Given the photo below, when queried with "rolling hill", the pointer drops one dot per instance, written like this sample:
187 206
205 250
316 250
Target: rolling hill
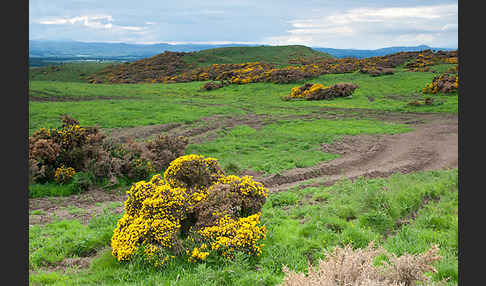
279 55
173 63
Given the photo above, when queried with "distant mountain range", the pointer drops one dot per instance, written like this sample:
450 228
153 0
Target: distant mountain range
343 53
53 51
110 50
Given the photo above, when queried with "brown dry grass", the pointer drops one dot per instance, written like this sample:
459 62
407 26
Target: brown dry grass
348 267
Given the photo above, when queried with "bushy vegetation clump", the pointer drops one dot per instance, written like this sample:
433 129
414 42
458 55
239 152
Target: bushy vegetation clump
64 154
427 58
348 266
311 91
427 101
193 211
152 70
214 85
377 71
262 72
144 70
445 83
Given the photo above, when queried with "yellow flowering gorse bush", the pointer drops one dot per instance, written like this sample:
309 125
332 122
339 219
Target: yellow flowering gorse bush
230 235
318 91
64 174
445 83
180 214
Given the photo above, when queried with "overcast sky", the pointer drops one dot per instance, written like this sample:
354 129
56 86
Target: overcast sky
362 24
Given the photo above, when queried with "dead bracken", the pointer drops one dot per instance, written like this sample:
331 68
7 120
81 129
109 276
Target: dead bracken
345 266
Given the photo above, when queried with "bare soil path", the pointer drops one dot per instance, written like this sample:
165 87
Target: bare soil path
431 146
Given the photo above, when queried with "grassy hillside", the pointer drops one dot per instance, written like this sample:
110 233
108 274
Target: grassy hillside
279 55
174 63
68 72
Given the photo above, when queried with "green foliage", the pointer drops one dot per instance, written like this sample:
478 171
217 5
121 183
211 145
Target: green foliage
51 190
82 181
299 228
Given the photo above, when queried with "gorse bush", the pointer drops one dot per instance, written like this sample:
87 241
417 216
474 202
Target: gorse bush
153 70
263 72
64 175
59 154
194 211
311 91
65 147
445 83
428 58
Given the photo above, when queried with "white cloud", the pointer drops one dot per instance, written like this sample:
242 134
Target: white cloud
344 30
395 25
450 27
416 39
424 12
92 21
208 43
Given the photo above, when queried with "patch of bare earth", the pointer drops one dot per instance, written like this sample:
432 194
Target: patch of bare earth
431 146
140 132
207 128
72 265
82 207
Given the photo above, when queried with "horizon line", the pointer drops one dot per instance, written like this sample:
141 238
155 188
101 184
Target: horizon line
227 43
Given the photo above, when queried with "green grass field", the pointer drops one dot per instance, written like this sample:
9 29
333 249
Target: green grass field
404 212
301 223
124 104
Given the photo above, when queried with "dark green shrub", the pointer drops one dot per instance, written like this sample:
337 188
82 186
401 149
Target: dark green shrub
82 181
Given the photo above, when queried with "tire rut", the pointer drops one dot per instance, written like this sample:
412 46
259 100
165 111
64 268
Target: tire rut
430 146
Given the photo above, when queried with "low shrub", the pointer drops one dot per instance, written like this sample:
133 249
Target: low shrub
194 211
82 181
214 85
429 58
64 174
454 69
445 83
58 154
311 91
377 71
346 266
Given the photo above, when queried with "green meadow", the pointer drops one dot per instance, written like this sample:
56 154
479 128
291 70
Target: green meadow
404 213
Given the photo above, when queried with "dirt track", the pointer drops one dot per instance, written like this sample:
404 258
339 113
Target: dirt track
432 145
